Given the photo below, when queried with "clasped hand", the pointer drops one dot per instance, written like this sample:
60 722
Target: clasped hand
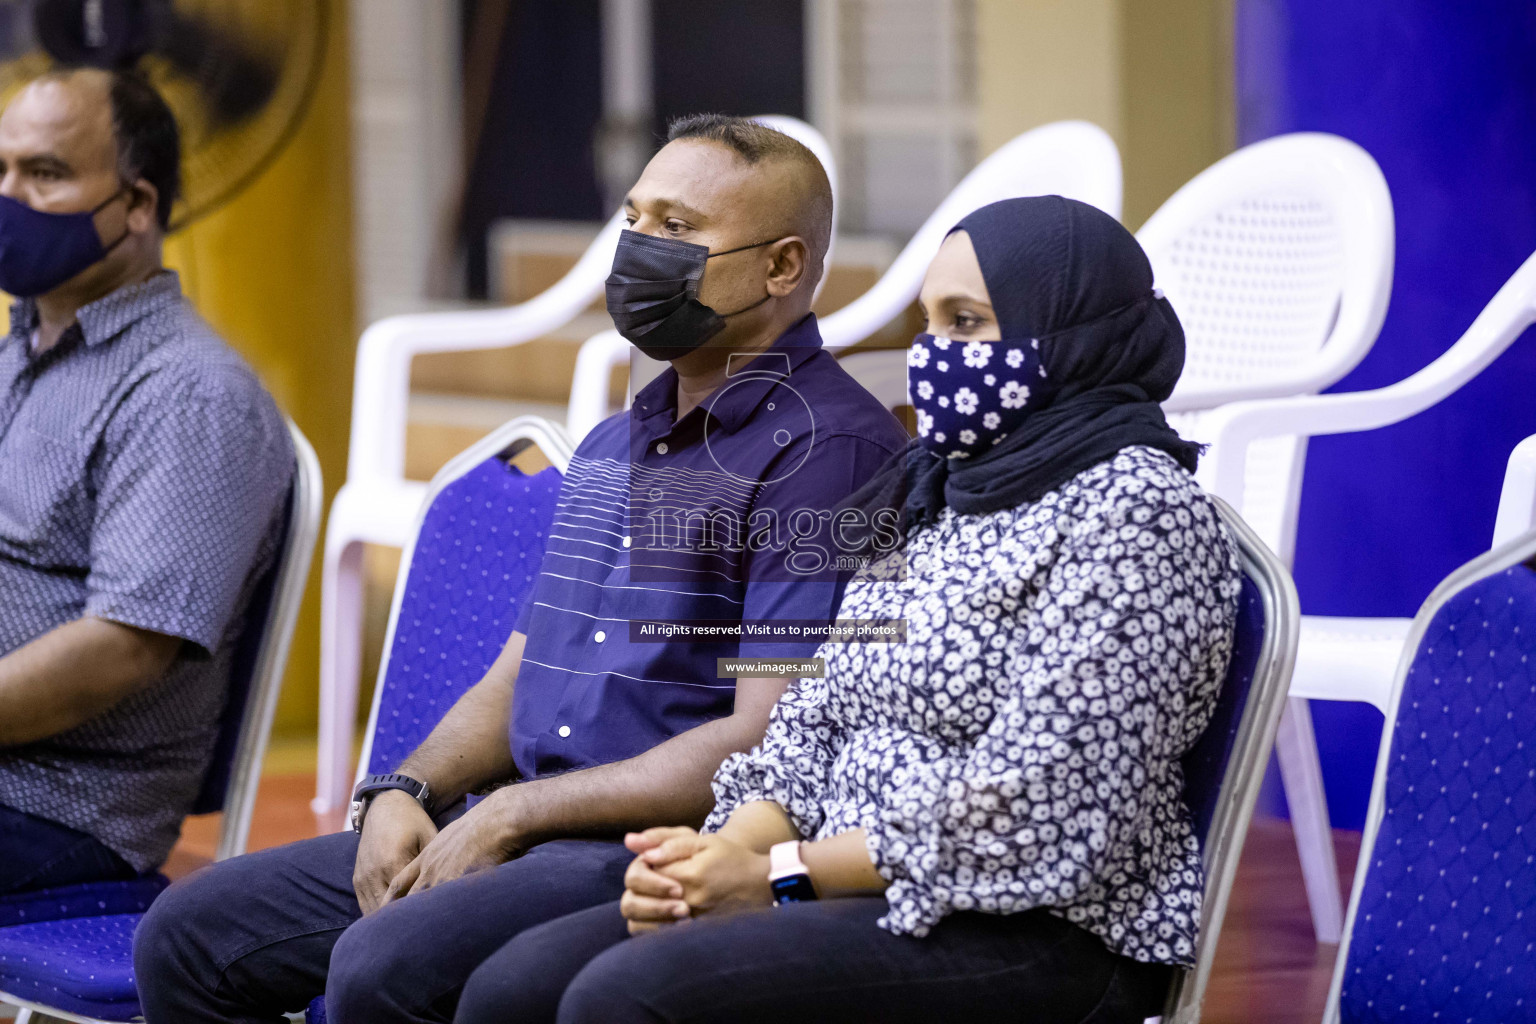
679 873
401 851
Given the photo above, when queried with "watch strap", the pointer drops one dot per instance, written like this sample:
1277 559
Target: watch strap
784 860
375 784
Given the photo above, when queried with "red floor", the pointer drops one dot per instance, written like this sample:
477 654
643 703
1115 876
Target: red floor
1268 968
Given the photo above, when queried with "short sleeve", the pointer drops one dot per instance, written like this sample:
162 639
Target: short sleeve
193 469
799 573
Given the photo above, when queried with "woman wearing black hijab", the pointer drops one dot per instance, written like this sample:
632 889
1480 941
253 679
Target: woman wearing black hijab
984 822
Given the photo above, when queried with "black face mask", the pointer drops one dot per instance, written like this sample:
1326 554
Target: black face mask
653 294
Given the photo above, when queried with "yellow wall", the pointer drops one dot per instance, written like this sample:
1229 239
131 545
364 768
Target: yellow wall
1046 60
1156 76
272 271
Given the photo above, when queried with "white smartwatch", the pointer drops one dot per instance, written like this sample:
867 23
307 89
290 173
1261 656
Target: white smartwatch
788 878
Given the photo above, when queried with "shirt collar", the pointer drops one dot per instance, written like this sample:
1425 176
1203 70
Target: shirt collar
746 387
109 315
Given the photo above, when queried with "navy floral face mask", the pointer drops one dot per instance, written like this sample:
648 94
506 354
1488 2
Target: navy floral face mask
969 395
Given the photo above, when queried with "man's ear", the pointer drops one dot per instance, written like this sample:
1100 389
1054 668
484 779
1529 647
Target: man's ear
143 207
789 264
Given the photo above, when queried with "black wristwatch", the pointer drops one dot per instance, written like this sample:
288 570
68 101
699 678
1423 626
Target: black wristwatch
377 784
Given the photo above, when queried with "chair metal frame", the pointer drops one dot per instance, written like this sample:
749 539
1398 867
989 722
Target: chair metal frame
512 436
1511 552
1222 848
377 504
292 572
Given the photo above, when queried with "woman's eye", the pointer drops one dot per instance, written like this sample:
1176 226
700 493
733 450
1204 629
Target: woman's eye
676 226
630 220
967 321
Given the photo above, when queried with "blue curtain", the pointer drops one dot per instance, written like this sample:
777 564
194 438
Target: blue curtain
1443 95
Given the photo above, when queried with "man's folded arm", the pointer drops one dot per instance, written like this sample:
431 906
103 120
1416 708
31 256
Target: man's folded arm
668 783
75 672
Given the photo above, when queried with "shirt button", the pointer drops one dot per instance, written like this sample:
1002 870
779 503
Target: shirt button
627 542
600 636
661 448
565 731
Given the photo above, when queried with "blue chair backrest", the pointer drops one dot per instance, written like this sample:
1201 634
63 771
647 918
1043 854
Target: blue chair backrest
1445 921
1206 763
473 563
247 654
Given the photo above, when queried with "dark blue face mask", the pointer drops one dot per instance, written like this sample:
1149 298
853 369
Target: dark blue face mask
40 251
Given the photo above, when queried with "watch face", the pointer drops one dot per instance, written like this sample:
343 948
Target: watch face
792 889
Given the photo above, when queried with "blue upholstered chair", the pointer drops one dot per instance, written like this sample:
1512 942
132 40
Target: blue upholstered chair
471 561
67 952
1442 920
1223 770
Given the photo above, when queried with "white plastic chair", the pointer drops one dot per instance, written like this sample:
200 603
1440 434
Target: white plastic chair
378 505
1069 158
1354 658
1278 260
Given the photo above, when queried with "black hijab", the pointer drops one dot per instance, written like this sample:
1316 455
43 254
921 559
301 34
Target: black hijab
1070 275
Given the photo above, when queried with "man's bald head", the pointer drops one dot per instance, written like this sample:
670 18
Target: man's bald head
800 185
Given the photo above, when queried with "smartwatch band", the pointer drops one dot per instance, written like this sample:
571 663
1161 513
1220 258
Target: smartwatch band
375 784
788 878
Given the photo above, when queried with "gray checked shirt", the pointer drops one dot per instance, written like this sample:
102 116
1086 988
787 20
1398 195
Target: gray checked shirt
143 473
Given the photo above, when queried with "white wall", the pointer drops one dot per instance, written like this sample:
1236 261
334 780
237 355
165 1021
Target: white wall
406 149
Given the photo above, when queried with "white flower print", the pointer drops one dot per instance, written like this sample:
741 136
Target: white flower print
924 423
941 343
967 437
1014 395
942 366
938 436
925 389
1014 358
943 401
977 354
917 357
991 420
951 750
965 401
989 380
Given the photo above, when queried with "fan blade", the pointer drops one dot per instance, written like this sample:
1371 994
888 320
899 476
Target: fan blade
235 80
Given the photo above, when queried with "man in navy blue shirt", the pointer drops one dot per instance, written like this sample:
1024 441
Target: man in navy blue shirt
710 501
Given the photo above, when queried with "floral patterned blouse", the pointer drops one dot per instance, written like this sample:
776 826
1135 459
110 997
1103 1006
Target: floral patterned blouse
1021 748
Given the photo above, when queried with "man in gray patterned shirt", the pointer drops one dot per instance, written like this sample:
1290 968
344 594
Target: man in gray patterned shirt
143 473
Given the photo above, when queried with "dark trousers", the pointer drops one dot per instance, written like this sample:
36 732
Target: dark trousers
806 962
257 936
36 853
